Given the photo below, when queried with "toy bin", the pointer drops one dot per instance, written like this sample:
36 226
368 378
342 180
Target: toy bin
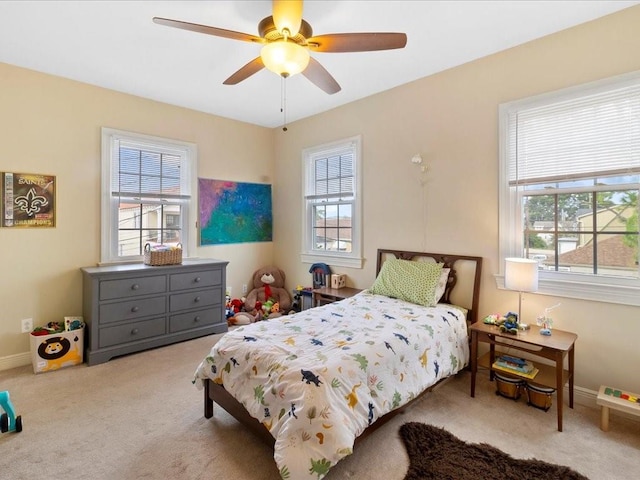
57 350
508 387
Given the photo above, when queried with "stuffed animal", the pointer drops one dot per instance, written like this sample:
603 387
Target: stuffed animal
268 285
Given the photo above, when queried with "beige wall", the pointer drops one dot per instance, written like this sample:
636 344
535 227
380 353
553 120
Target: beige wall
52 125
451 119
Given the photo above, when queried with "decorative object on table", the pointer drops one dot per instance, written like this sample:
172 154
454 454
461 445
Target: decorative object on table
430 456
493 319
320 273
338 280
268 290
510 324
545 322
162 254
521 275
9 422
28 200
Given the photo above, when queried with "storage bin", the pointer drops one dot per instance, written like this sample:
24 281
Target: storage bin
508 387
539 396
162 255
57 350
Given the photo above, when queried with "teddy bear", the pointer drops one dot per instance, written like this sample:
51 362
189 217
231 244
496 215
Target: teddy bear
268 289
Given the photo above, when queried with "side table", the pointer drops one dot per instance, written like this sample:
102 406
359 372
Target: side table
325 295
556 347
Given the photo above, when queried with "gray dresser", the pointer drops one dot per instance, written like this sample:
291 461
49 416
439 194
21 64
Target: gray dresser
128 308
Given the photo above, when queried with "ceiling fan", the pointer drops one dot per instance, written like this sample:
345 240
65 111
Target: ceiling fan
287 40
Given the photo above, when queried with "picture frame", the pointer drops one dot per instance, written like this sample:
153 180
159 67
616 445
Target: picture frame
28 200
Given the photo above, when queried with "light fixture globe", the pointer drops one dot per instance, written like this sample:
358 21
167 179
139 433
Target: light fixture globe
284 58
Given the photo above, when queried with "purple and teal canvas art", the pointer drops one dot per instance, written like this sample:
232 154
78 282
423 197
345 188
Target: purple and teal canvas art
234 212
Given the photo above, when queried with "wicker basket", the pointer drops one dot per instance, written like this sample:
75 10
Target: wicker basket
165 256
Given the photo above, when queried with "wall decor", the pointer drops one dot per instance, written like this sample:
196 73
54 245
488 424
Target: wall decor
28 200
234 212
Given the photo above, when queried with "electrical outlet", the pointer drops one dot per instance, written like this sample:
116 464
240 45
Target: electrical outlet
27 325
244 288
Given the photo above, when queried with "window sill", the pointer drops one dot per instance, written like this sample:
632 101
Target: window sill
616 291
333 260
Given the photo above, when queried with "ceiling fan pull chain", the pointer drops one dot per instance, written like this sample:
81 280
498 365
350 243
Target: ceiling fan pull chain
283 101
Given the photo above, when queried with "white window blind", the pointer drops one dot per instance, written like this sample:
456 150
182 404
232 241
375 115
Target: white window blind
332 204
596 135
148 173
333 177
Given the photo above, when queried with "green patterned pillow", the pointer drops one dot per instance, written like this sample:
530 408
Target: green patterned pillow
413 282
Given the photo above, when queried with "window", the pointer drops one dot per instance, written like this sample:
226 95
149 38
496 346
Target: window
147 185
569 179
332 204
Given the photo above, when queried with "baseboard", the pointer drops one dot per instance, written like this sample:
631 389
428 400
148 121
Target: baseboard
13 361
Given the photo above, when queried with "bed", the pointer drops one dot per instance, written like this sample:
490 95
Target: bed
312 384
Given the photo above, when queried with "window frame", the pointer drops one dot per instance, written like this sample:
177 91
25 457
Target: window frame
610 289
351 259
188 152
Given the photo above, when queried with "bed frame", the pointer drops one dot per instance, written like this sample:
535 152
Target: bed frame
465 274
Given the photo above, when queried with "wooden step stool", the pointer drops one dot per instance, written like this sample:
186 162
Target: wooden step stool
609 397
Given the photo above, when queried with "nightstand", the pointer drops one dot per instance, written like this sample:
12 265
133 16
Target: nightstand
324 295
556 347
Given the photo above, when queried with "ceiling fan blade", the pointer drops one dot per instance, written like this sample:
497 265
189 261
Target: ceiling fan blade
356 42
287 14
245 72
319 76
218 32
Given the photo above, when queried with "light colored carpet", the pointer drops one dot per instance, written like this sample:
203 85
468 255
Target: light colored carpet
140 417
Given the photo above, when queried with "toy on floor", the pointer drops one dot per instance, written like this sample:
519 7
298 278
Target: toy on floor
268 289
8 421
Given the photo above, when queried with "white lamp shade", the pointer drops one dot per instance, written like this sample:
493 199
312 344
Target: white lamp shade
521 274
284 58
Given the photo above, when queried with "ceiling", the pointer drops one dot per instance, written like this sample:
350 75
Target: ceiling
115 44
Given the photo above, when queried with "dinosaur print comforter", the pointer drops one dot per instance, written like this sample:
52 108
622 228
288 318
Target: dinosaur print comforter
318 378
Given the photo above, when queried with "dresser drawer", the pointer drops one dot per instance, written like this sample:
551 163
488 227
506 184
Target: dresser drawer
197 319
144 307
183 281
131 332
197 299
132 287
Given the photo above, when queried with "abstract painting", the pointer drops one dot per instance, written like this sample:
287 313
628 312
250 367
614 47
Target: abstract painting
234 212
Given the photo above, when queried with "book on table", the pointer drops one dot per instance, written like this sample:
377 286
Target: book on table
517 366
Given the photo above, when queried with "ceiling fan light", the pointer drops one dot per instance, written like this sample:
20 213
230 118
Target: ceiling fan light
284 58
287 15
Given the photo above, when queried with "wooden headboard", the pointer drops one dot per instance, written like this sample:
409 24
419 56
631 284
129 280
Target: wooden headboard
463 286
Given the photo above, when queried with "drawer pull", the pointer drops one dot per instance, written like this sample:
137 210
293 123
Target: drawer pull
135 309
134 331
196 319
135 286
197 280
196 300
